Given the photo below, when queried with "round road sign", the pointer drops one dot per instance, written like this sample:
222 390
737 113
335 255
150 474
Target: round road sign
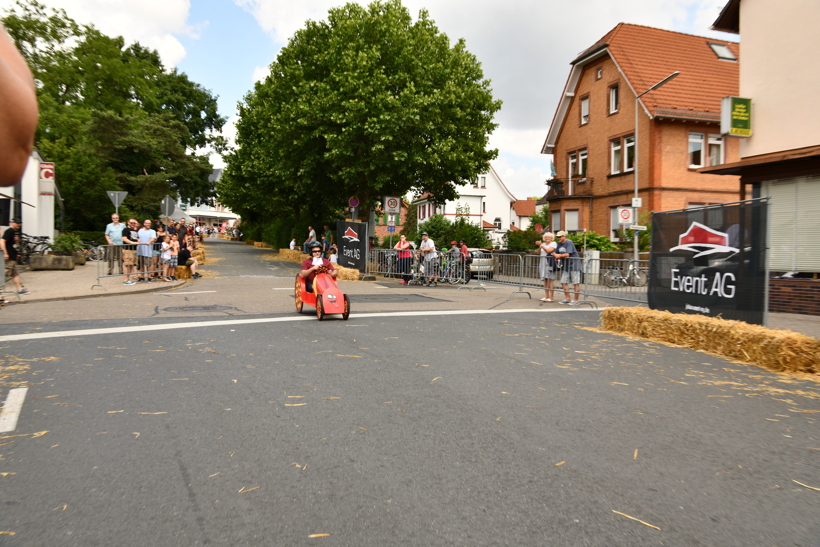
353 202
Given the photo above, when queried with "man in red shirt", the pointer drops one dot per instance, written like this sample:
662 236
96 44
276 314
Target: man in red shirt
310 266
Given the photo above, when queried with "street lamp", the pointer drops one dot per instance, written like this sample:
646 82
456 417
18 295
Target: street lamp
635 167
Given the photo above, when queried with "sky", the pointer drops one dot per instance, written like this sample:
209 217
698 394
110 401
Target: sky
524 46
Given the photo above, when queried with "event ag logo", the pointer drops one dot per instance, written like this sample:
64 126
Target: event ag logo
350 235
703 240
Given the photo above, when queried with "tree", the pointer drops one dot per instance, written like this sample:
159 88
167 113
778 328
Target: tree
368 103
541 217
521 240
112 117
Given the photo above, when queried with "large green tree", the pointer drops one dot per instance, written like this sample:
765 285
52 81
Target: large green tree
368 103
113 118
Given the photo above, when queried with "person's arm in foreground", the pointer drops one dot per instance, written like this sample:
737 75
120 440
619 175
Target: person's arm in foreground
18 112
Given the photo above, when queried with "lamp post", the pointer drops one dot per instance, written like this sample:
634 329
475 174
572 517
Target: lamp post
635 167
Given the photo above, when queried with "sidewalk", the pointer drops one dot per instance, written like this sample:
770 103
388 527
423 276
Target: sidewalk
48 285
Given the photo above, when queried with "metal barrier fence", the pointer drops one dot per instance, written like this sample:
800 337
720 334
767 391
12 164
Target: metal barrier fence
615 279
418 269
126 261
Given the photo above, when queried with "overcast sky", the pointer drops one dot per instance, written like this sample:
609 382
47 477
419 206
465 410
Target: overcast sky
525 47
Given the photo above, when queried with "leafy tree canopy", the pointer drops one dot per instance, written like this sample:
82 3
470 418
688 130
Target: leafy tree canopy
368 103
113 118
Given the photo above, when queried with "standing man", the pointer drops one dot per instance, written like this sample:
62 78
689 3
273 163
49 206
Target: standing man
129 250
570 267
113 235
329 235
146 237
428 251
311 238
183 230
10 237
325 246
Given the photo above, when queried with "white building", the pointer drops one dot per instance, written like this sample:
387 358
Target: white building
35 194
487 203
209 215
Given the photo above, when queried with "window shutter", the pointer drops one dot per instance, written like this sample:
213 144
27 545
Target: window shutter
807 240
794 224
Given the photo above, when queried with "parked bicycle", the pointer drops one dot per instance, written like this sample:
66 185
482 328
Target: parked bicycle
31 245
635 277
93 251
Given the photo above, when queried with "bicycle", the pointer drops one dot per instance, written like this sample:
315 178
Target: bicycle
453 271
93 251
29 245
635 277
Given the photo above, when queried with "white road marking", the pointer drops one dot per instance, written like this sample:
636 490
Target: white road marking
229 322
11 410
176 293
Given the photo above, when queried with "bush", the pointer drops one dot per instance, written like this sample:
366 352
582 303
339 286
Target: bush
443 231
67 244
521 240
593 242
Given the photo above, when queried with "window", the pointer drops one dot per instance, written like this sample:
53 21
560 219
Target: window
723 52
571 220
614 223
483 206
421 211
615 156
613 99
585 110
573 164
629 144
483 181
700 145
715 150
695 150
497 222
582 163
556 221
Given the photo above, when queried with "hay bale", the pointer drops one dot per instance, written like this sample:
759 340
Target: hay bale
182 272
294 255
199 256
249 242
347 274
262 245
775 349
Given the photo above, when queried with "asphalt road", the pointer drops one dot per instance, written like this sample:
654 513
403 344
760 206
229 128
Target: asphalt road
151 420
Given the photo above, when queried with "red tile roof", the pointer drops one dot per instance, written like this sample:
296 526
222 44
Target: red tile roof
486 224
514 228
524 207
647 55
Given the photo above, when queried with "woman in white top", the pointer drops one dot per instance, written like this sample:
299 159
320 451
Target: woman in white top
547 264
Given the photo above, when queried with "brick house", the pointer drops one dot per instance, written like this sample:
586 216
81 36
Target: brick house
592 136
381 219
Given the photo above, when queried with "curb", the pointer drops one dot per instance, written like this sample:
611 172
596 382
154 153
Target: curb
101 295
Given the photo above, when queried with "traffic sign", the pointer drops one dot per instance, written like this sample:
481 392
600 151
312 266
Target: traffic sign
392 206
637 227
391 222
116 198
637 202
391 229
626 215
353 202
168 206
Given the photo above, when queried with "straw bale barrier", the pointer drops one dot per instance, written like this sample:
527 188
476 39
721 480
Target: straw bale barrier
198 255
250 242
182 272
775 349
346 274
294 255
261 245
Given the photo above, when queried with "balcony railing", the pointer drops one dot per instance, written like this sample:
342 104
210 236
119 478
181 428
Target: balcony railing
568 187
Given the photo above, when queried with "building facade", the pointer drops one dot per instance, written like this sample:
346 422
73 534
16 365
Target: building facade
593 133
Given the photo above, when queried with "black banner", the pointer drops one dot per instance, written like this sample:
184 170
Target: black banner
710 261
352 242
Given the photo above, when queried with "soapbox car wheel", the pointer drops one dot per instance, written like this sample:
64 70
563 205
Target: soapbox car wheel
320 309
346 313
297 295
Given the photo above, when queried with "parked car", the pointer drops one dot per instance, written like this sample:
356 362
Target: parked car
482 265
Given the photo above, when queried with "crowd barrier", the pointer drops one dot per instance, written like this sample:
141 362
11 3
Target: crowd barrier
124 260
418 269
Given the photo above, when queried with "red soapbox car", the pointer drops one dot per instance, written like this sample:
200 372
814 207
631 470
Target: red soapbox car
326 297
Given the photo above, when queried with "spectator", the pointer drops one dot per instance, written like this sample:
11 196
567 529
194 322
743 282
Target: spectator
570 267
403 255
182 229
293 244
185 259
325 246
166 258
546 265
130 238
428 252
172 229
113 235
329 234
10 237
174 256
145 251
333 258
156 251
311 238
18 112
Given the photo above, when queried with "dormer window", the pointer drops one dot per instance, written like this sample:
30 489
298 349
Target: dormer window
722 51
